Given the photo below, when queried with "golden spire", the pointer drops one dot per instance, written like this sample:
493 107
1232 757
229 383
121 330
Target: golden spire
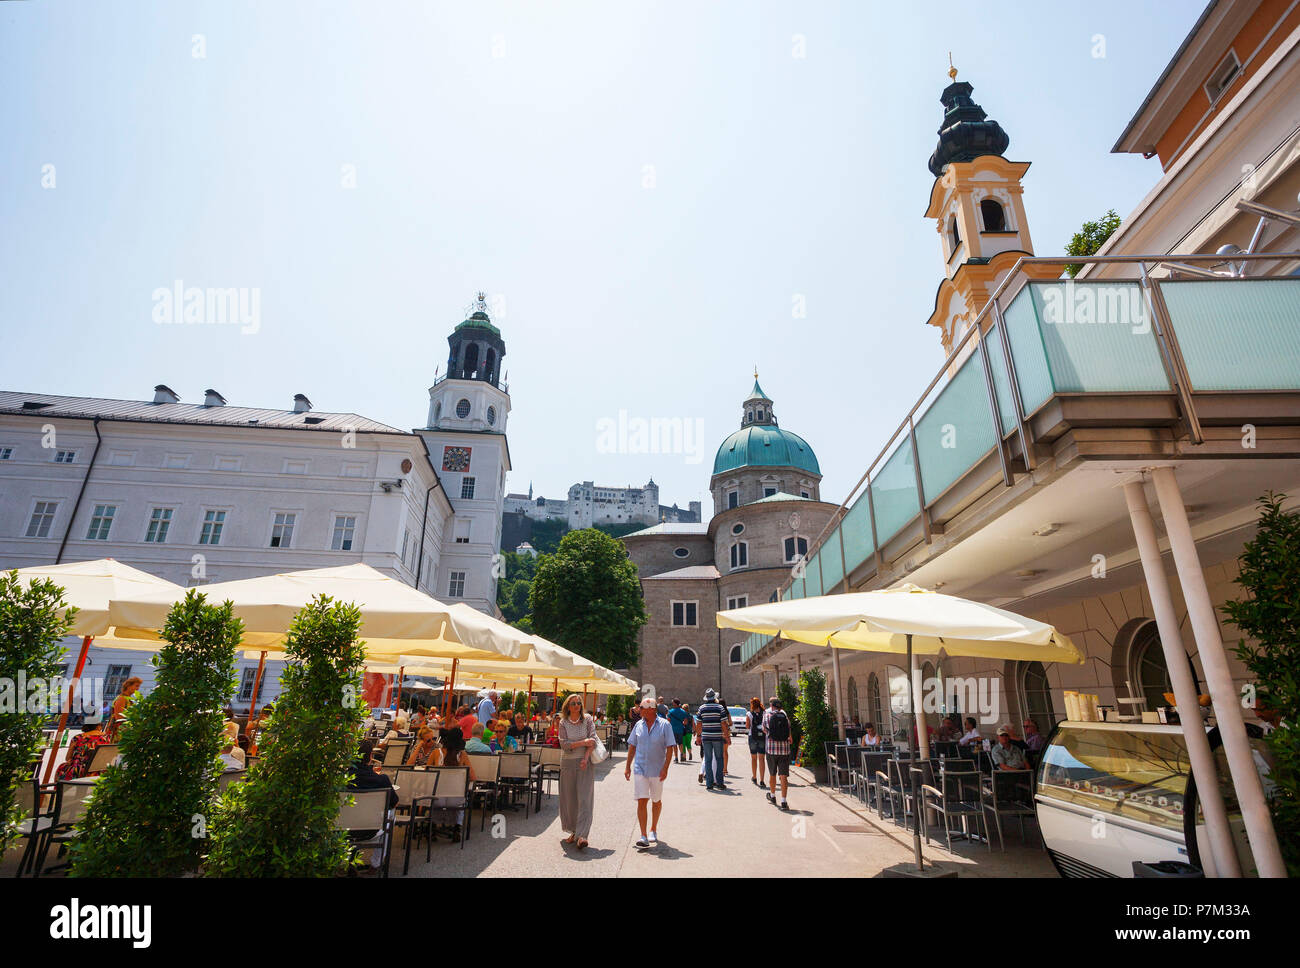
755 371
952 71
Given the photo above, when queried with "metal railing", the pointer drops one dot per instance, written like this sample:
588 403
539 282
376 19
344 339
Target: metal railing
1000 352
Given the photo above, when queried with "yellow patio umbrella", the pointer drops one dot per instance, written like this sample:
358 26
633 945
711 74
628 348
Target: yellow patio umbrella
895 620
906 620
90 586
395 618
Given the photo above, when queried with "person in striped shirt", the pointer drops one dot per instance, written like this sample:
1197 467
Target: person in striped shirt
713 730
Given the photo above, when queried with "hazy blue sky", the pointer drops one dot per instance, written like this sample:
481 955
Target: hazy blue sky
504 147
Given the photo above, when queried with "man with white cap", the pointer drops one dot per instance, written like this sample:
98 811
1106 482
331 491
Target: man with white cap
650 748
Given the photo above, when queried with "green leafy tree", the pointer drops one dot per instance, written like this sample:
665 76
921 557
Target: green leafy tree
1270 616
616 708
521 702
149 814
281 821
785 691
587 598
1091 237
30 629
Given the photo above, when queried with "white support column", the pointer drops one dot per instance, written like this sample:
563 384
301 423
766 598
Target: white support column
1227 705
918 712
1223 854
839 693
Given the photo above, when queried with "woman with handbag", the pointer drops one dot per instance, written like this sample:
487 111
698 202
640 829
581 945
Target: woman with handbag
578 743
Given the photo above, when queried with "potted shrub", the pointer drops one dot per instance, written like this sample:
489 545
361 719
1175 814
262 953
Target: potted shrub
814 718
785 691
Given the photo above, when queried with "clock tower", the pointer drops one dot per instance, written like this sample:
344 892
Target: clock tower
466 438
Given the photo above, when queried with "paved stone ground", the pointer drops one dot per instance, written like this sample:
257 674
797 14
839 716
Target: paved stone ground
735 833
705 834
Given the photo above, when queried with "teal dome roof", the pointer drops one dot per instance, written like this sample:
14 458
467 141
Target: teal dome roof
765 446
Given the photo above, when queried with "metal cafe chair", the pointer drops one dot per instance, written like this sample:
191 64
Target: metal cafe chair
395 752
484 789
71 799
1009 793
38 823
103 758
949 796
454 794
364 815
416 787
872 765
840 772
856 777
516 775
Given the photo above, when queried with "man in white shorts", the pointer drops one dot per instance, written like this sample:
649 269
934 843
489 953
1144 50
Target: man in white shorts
650 748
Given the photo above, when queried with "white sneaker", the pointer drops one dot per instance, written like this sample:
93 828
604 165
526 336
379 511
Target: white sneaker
654 840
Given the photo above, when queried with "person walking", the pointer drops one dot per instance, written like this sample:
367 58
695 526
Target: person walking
678 717
713 730
650 749
577 775
776 736
688 729
757 743
487 708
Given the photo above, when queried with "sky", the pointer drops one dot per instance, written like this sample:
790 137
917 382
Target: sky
656 197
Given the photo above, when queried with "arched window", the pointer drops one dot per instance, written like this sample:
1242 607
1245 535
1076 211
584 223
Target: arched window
873 702
685 657
852 698
734 657
995 220
437 412
740 555
953 234
927 684
1147 669
898 703
795 548
1036 696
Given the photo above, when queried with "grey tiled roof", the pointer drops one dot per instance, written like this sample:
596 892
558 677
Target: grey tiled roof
691 572
12 401
671 528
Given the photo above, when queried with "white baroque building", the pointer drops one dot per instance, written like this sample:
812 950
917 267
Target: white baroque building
208 492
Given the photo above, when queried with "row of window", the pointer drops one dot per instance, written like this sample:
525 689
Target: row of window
182 462
687 657
102 518
686 614
733 496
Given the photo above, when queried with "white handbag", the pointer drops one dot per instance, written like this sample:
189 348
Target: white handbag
598 752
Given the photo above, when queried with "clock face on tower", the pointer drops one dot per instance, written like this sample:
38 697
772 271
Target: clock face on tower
455 458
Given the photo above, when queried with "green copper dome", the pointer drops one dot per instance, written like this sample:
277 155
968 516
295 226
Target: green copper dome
765 446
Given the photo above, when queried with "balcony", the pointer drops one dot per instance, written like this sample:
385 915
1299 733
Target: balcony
1140 369
498 383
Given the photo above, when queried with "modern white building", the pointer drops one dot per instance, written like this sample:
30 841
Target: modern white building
207 492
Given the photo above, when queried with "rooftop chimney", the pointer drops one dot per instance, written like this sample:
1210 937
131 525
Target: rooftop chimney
300 403
162 393
212 398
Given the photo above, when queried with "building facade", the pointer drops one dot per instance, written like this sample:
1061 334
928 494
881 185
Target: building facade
1108 435
212 492
766 487
589 504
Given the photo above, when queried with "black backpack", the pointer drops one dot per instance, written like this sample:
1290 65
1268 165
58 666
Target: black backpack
779 726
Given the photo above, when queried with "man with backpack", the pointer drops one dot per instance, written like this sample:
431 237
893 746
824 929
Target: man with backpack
776 736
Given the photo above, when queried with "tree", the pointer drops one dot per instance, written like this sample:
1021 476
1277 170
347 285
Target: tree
280 822
1270 616
587 598
149 814
814 717
1091 237
30 630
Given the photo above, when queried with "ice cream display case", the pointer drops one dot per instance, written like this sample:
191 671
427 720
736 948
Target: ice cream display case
1109 794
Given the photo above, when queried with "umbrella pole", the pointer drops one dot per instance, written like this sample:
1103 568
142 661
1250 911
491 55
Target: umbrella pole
528 710
839 694
916 800
556 702
401 674
252 702
451 691
63 719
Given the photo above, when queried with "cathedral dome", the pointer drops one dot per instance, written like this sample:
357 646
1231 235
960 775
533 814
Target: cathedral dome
765 446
